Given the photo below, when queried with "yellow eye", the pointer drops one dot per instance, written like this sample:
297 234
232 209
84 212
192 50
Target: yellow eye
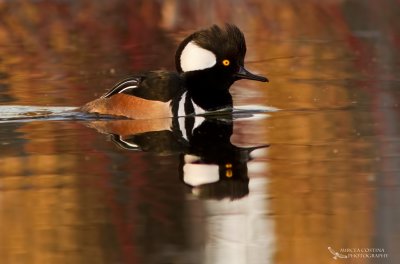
226 62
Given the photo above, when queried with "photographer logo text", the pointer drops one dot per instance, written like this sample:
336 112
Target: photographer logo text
370 253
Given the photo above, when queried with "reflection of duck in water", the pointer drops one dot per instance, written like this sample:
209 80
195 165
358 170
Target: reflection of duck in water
210 164
208 63
213 167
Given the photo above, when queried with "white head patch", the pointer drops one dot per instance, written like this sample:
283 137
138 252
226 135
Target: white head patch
195 58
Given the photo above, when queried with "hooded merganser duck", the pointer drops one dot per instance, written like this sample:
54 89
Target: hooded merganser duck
208 62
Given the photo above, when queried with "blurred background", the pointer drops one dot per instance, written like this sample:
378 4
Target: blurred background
330 177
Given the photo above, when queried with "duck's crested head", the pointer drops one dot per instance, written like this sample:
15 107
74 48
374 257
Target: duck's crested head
203 49
220 49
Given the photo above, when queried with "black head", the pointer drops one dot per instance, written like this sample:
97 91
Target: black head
217 52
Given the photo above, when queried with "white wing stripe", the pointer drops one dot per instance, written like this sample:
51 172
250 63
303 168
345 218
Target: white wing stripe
127 88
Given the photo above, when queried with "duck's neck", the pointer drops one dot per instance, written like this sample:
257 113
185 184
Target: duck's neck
208 91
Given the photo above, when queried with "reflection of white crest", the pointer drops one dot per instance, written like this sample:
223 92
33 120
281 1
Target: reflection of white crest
198 174
335 254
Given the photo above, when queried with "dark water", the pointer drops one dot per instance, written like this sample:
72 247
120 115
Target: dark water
271 187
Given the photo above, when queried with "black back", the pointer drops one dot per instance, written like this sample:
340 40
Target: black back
155 85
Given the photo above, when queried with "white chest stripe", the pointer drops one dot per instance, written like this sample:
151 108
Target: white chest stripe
181 107
197 109
195 58
181 114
